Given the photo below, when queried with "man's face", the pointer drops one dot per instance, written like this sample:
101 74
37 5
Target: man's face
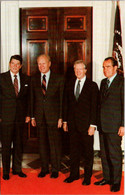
108 69
79 70
15 66
43 64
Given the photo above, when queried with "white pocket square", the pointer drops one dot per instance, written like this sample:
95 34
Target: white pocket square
26 85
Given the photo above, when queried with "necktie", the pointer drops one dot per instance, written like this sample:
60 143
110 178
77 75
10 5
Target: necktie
106 87
16 84
108 82
78 90
44 85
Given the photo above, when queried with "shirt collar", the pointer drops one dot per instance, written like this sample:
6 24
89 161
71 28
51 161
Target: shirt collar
12 74
83 79
47 74
112 78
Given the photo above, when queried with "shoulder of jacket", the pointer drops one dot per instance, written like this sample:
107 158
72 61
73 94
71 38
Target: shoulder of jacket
121 77
103 80
4 73
36 75
24 76
89 81
57 75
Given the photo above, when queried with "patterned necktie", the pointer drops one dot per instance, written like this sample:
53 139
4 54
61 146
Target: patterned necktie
16 84
77 90
44 85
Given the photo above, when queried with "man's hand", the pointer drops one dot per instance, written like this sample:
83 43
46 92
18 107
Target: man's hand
121 131
65 126
91 130
27 119
59 123
33 122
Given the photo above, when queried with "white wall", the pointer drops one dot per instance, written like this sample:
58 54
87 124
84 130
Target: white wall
103 26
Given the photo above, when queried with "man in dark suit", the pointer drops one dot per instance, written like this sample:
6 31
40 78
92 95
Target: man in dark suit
46 101
14 90
111 124
80 111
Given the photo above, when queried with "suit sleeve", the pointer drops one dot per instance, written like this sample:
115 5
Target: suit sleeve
65 103
94 104
32 97
0 97
29 97
61 91
122 104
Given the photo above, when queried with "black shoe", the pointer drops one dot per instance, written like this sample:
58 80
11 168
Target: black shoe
54 175
20 174
6 177
70 179
102 182
86 182
43 174
115 188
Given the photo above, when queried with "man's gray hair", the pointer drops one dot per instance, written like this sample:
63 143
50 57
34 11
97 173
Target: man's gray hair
80 62
44 55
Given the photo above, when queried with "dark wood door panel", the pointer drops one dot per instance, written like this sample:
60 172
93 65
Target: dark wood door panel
35 48
63 33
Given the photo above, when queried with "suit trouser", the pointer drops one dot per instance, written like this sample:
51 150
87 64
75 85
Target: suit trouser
49 146
111 156
12 133
80 141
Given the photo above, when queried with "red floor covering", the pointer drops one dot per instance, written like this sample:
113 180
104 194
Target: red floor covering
34 185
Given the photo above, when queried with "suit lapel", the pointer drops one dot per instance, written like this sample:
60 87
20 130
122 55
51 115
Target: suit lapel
72 88
50 83
9 81
109 89
22 83
38 82
84 88
113 83
103 88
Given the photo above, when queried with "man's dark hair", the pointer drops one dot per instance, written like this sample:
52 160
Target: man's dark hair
114 62
16 57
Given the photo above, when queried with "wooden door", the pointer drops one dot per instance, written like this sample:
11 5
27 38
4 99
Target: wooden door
63 33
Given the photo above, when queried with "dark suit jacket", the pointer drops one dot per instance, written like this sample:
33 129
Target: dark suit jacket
12 107
111 109
83 112
51 105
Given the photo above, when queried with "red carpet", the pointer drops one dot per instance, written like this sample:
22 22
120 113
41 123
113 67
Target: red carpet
34 185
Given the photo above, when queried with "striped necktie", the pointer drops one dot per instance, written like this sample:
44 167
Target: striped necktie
16 84
44 85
